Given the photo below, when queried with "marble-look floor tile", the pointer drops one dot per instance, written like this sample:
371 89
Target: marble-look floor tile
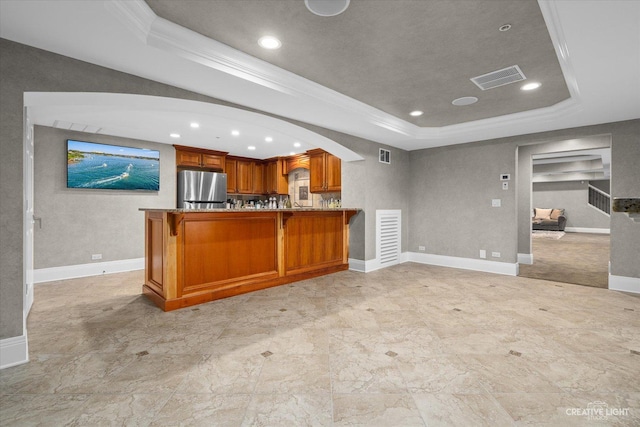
41 409
77 374
410 345
292 374
120 409
412 341
242 341
202 410
439 374
375 410
152 373
461 410
509 374
225 374
357 340
366 373
591 372
289 410
299 340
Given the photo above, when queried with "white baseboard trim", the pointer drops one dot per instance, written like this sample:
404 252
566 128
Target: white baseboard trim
525 259
13 351
83 270
587 230
624 283
374 264
505 268
357 265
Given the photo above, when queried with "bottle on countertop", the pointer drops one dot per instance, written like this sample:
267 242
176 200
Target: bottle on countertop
288 203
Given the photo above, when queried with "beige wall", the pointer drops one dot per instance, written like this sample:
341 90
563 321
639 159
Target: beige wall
76 222
451 192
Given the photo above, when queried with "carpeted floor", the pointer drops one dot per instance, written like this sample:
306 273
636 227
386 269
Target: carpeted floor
578 258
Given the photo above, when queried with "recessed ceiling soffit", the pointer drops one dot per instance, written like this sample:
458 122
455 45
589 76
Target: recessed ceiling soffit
395 56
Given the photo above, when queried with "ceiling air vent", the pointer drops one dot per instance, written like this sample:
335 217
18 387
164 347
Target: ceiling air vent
499 78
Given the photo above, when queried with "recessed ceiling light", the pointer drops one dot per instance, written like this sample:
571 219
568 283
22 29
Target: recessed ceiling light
505 27
195 125
235 132
269 42
251 147
465 100
268 139
416 113
174 135
531 86
296 144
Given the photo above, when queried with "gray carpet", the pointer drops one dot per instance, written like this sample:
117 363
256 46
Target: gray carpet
578 258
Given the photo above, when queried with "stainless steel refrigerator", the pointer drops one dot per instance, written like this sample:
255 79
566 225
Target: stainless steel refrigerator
202 190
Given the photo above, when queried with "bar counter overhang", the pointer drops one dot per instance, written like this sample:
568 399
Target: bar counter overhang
196 256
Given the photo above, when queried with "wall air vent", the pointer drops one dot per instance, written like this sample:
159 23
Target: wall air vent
385 156
388 240
499 78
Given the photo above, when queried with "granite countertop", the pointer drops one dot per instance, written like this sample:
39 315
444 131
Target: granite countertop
627 205
175 210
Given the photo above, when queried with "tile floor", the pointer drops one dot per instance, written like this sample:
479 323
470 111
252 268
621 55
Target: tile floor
410 345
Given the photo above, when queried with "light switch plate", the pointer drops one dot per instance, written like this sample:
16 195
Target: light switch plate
496 203
505 185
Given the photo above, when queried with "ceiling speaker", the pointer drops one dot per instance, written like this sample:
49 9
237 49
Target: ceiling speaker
327 7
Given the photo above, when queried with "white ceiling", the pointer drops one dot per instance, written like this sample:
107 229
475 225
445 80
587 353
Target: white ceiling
597 42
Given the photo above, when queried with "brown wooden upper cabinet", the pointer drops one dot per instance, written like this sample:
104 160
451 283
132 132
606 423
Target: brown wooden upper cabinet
276 181
244 176
258 178
297 161
325 172
187 157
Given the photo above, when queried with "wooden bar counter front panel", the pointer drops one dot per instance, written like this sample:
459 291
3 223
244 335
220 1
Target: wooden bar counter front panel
313 240
192 257
217 250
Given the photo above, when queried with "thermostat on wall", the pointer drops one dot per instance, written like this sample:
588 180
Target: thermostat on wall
505 177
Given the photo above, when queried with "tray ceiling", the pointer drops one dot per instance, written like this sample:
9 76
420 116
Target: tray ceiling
397 56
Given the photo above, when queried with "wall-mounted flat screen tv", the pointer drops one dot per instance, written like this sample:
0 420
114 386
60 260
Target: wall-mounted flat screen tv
111 167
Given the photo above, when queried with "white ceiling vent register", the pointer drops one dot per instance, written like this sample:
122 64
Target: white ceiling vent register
388 233
384 156
499 78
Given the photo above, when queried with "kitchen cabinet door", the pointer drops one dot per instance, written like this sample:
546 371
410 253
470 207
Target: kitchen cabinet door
212 161
276 182
187 158
244 177
230 170
316 173
258 178
333 172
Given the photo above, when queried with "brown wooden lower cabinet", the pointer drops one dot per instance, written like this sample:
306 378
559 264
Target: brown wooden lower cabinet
196 257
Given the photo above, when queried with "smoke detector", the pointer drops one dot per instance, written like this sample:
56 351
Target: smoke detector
327 7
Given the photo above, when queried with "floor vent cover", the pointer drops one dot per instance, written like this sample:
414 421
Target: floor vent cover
388 233
499 78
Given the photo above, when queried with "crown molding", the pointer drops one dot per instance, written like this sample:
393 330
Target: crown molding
177 40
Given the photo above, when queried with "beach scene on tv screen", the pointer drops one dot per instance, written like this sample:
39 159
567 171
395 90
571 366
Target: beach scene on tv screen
102 166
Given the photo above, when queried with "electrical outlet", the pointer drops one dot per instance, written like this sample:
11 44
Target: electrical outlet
496 203
421 248
495 254
96 256
483 254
